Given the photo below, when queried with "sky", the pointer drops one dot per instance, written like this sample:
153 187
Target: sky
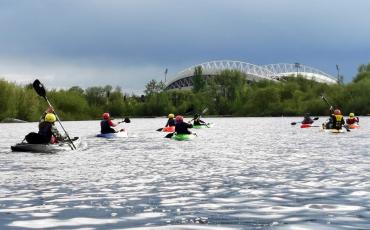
127 43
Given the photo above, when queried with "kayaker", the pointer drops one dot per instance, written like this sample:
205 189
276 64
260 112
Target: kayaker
352 119
197 120
48 133
338 120
181 126
106 124
307 119
171 120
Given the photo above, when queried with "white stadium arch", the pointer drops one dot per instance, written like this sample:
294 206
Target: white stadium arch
184 78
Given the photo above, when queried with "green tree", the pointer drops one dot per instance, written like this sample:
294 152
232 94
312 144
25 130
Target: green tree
198 80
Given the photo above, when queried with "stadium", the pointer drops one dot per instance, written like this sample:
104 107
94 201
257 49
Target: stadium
274 72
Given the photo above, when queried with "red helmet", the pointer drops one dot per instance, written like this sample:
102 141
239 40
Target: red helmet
337 112
106 116
179 118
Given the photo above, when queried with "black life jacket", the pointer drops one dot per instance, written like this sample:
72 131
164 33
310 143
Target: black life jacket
105 127
171 122
45 130
182 128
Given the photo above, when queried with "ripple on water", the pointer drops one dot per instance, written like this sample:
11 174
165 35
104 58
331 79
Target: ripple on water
262 174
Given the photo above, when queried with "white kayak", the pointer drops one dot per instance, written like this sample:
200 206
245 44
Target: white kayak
113 135
46 148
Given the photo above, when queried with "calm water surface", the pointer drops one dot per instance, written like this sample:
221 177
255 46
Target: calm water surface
244 173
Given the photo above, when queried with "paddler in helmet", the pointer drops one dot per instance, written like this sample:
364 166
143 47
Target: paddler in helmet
181 126
171 120
307 119
106 124
48 133
352 119
197 120
337 119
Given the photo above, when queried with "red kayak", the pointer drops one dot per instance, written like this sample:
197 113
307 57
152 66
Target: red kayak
305 126
169 129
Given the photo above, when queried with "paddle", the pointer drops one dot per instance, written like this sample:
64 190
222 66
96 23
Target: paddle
40 90
326 101
126 120
294 123
170 135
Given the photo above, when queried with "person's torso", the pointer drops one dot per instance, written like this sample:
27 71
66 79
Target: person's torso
105 126
338 121
45 129
171 122
351 121
182 127
307 120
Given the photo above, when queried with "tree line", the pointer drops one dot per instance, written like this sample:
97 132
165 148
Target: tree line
228 94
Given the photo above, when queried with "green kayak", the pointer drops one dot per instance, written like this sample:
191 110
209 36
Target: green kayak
208 125
183 137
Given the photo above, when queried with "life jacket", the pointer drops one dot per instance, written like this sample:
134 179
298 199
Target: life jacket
171 122
105 127
307 120
351 121
338 122
45 130
182 128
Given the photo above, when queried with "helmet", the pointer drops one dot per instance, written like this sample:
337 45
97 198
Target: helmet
179 118
106 116
337 112
307 115
351 115
50 117
171 115
196 115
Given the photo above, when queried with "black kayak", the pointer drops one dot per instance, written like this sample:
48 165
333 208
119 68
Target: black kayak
45 148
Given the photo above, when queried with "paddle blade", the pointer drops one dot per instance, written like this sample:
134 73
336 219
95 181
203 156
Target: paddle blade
127 120
39 88
316 118
169 135
159 130
204 110
293 123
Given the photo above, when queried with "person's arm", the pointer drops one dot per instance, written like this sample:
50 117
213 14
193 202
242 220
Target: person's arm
189 125
56 133
111 123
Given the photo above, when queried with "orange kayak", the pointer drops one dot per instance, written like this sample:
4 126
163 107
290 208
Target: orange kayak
353 126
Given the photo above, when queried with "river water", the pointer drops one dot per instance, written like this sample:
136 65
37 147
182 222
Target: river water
243 173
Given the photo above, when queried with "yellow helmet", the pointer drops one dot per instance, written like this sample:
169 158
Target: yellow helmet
171 115
50 117
351 115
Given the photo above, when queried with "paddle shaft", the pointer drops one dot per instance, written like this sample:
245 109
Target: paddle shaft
294 123
60 123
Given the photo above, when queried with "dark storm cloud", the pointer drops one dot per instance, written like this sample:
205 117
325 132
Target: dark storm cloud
130 42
